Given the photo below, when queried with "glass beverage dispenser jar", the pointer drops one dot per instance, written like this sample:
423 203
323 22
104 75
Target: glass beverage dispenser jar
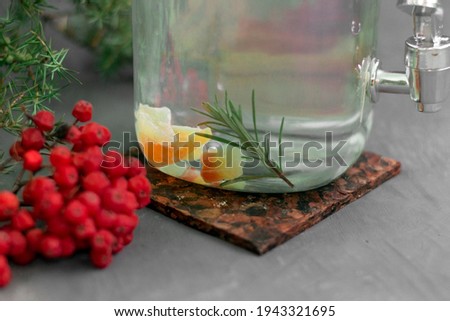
271 96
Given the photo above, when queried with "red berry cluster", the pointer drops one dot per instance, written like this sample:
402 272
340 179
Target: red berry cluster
87 203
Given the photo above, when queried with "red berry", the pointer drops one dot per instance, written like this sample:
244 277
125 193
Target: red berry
51 247
101 258
34 214
49 205
34 238
91 201
68 193
120 183
96 182
58 226
60 156
68 246
127 239
119 200
37 188
75 212
32 138
93 157
114 164
6 227
135 167
5 242
66 176
73 135
141 187
135 218
85 230
78 160
105 219
82 111
5 271
82 244
44 120
22 221
32 161
9 205
103 240
118 245
18 243
25 258
16 151
78 147
95 134
131 202
124 225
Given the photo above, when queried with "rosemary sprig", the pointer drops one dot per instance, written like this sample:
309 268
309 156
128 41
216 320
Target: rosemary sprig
228 120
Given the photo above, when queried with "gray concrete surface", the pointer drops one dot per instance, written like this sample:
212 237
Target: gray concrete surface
393 244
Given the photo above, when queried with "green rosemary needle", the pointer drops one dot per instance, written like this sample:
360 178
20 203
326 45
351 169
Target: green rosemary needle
227 120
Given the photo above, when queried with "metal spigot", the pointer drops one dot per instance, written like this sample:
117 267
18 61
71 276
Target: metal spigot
427 60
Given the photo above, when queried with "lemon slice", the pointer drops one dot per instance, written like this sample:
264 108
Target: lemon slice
217 167
164 144
194 143
155 123
193 175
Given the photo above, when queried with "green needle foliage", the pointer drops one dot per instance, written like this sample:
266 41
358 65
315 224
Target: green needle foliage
104 26
31 72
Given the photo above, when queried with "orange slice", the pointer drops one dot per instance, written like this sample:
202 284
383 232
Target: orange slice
164 144
218 166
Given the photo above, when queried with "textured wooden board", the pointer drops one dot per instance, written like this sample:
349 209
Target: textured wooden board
260 222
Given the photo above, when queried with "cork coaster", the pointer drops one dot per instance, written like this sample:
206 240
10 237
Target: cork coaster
260 222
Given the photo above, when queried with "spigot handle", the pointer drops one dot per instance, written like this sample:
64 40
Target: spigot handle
427 60
428 18
409 6
427 54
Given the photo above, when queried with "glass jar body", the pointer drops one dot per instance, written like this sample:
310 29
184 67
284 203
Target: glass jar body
293 70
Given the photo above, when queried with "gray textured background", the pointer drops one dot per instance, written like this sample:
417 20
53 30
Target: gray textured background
392 244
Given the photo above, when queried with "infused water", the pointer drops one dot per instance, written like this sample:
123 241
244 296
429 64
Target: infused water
253 95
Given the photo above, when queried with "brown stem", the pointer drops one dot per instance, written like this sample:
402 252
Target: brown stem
17 184
279 173
5 163
51 16
25 112
16 99
31 73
